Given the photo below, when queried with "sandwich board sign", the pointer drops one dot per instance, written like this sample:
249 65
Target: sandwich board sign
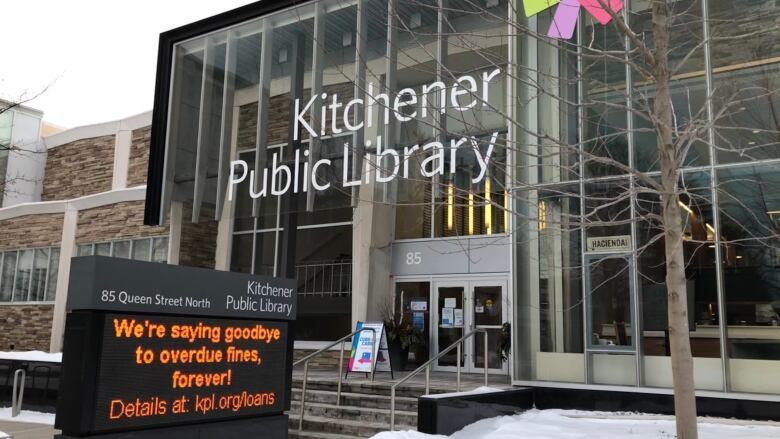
367 356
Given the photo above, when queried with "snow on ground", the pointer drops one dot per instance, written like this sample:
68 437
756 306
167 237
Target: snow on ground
476 391
26 416
575 424
32 356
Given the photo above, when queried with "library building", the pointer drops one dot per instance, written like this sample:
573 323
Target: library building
456 165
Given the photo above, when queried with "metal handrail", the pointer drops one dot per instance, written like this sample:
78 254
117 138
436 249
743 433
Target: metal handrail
305 361
427 367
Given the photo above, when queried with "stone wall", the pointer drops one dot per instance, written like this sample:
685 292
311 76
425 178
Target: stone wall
79 168
326 360
30 231
115 221
198 241
25 327
139 157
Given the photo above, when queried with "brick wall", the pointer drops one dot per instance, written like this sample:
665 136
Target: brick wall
31 231
139 157
25 327
79 168
198 241
115 221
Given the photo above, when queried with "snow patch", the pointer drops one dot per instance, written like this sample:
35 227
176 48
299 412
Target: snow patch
476 391
32 356
577 424
26 416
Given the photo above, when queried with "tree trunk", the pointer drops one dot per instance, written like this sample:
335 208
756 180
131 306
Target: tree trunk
679 337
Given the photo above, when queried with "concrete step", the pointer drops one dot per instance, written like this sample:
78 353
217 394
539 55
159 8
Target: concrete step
403 403
342 427
355 413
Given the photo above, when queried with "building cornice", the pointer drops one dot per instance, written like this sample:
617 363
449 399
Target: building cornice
137 193
99 129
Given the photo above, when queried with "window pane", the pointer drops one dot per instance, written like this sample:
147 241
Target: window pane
103 249
160 253
121 249
241 258
750 219
54 269
265 254
23 272
41 263
324 272
7 284
85 250
141 250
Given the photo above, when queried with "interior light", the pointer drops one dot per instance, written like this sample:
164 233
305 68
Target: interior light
685 206
488 208
346 39
282 56
739 257
542 215
774 212
471 213
756 131
491 3
506 211
450 206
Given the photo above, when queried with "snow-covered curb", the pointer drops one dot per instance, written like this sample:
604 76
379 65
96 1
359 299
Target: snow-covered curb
32 356
576 424
27 416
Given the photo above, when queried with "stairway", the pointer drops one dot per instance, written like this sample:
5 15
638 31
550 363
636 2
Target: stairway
364 410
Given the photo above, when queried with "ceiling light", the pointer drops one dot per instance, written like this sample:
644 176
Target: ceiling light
685 206
346 39
282 56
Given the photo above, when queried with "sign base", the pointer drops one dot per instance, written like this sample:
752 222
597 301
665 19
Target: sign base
266 427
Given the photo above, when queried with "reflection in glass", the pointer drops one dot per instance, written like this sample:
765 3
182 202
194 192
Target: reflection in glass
54 268
448 332
610 302
7 281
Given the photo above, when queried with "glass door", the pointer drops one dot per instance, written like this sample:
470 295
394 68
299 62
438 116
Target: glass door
611 336
462 306
488 311
451 296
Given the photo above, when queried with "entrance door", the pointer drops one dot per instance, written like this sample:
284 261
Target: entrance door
612 333
461 307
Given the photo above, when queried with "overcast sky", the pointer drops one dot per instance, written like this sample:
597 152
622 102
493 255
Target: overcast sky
98 56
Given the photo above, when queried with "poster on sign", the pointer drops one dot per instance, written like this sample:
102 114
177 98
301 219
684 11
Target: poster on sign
367 356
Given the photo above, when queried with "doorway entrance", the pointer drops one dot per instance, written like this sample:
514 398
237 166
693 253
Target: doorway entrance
461 306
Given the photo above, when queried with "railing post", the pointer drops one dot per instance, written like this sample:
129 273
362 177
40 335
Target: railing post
457 361
486 358
392 408
303 394
16 398
341 368
428 380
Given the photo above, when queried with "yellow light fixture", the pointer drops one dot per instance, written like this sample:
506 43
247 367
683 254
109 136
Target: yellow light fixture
488 209
471 213
542 215
506 211
450 206
685 206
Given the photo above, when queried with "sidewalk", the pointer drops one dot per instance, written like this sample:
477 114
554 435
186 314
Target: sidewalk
27 430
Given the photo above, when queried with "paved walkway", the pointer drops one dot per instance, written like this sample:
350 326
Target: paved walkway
26 430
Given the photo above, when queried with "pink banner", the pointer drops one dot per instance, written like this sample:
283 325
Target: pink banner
598 12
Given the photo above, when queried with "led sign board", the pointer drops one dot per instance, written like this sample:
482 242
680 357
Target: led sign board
137 358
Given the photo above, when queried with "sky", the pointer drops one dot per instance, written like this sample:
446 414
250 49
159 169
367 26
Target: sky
97 57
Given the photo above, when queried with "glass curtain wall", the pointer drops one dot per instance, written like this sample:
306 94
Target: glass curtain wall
593 179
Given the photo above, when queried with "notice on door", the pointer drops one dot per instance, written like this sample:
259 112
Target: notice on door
610 244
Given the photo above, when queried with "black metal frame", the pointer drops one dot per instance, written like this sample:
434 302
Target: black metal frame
156 170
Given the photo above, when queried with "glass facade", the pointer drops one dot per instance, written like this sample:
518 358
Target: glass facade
552 148
607 194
